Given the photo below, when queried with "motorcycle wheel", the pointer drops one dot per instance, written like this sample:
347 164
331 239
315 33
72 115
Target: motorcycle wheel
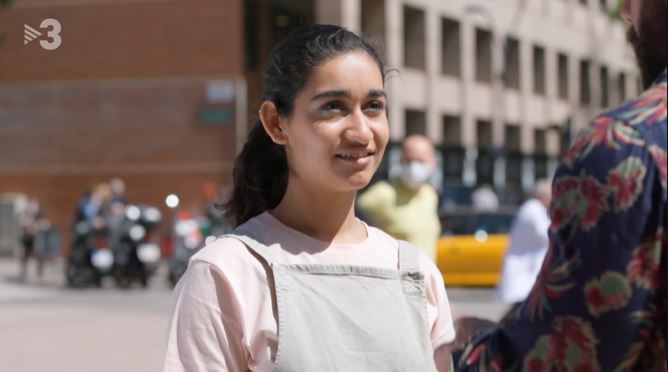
79 277
123 282
122 279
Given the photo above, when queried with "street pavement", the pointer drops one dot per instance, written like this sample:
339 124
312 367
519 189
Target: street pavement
46 327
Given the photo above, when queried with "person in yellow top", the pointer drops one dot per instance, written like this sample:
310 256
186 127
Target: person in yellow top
407 207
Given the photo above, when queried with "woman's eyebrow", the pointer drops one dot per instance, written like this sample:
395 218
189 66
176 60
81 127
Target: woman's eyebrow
377 93
332 94
374 93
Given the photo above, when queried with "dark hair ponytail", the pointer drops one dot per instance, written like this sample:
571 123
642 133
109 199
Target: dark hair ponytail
260 174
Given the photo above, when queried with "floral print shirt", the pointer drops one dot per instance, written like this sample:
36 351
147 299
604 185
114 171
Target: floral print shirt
599 303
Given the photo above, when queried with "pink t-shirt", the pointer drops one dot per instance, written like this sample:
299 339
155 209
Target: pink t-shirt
223 319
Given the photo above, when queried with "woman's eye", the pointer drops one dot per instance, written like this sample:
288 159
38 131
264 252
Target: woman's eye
332 106
375 106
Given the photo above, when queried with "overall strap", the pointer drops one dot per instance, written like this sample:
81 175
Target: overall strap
253 245
409 257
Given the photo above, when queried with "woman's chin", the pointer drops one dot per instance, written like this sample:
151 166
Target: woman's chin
358 181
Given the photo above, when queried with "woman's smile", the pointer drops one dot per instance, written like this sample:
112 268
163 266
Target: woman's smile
359 158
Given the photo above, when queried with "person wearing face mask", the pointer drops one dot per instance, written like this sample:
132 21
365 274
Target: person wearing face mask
407 207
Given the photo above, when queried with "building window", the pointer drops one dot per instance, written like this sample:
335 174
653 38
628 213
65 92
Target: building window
540 153
450 48
484 133
512 64
414 38
452 130
485 161
453 151
416 122
563 80
513 176
512 137
539 70
540 141
621 86
483 54
453 163
484 167
585 82
605 86
373 21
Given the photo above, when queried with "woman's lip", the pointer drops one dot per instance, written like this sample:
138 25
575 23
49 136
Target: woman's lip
357 154
361 161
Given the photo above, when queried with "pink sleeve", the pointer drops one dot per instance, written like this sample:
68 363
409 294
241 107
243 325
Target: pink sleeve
204 331
438 306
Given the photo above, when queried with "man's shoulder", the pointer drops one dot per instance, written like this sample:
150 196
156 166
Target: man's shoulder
637 123
645 110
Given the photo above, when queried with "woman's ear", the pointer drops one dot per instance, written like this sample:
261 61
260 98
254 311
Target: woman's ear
271 122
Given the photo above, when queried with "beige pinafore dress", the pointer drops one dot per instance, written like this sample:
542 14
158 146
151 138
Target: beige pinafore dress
350 318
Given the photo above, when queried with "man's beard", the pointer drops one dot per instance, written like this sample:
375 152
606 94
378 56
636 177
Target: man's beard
649 41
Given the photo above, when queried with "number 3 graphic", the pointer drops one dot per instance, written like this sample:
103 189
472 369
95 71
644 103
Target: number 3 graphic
53 34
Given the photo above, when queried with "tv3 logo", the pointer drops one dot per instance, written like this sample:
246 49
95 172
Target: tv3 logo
52 28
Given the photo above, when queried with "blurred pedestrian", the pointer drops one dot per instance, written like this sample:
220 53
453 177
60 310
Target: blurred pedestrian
345 296
527 246
117 188
91 202
81 213
29 221
99 204
600 301
407 207
484 199
114 215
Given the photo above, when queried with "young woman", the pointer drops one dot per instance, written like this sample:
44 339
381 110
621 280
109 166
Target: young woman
301 284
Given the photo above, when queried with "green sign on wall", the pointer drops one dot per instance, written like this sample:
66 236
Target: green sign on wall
215 116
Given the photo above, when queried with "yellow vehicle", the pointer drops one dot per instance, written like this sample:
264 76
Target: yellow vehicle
471 248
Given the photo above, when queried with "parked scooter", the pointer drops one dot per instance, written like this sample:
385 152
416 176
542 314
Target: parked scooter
136 255
90 257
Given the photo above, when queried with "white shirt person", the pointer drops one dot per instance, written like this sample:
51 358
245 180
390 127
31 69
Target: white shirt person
528 243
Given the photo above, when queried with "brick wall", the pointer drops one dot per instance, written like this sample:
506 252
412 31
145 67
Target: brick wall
119 98
123 38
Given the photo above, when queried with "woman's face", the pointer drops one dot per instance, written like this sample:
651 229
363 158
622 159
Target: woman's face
336 135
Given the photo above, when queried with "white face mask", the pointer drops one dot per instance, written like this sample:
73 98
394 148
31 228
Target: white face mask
414 174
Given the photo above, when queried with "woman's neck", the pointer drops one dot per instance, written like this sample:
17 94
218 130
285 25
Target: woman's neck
326 217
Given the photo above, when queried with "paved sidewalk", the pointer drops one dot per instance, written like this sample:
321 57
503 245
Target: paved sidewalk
46 327
11 290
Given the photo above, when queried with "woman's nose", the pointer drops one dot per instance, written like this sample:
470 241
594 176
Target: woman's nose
358 130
